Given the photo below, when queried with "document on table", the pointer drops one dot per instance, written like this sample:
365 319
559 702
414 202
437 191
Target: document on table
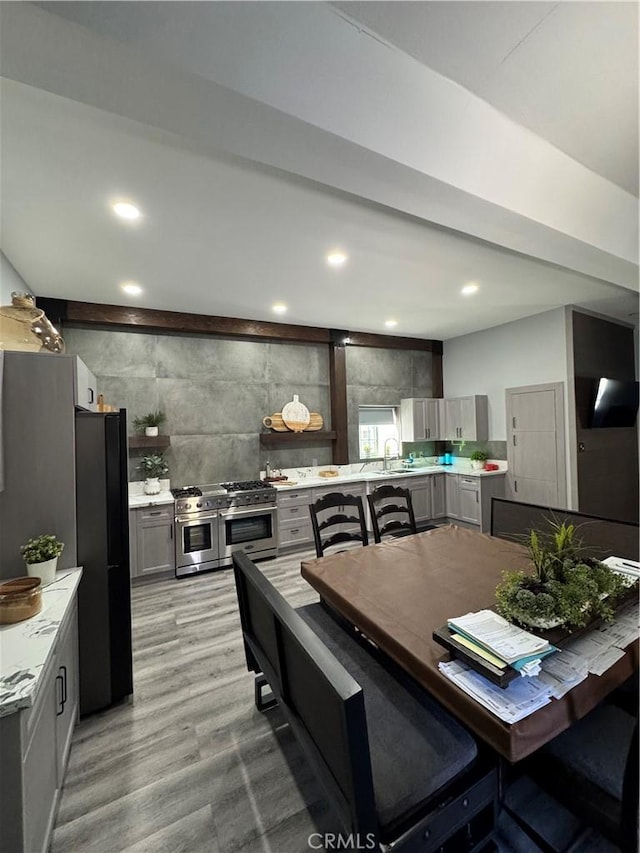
602 647
521 698
563 671
629 568
499 636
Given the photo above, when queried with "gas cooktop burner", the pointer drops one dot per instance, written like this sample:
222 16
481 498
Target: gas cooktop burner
245 486
187 492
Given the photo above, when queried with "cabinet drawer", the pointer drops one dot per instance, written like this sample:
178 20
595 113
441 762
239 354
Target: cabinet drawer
293 512
295 533
156 513
469 483
297 496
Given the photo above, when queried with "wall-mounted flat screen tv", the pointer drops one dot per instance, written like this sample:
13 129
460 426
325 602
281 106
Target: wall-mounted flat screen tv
615 403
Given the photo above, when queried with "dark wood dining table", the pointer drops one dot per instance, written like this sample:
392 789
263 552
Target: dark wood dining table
398 592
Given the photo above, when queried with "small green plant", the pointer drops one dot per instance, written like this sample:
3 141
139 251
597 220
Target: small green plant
41 549
566 588
479 456
154 465
152 419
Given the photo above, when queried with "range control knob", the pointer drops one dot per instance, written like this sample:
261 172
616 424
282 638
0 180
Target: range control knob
187 506
198 505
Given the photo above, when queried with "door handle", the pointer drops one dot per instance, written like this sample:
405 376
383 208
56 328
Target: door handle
61 708
64 685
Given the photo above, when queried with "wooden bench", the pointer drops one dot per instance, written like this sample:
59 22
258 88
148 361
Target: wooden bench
396 767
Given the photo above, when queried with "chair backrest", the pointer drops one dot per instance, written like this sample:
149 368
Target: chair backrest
322 702
338 518
391 512
601 537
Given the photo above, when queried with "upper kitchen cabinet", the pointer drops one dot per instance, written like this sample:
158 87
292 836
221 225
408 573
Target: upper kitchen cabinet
466 418
421 419
86 394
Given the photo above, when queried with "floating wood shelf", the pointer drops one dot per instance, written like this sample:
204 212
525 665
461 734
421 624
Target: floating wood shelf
275 439
152 441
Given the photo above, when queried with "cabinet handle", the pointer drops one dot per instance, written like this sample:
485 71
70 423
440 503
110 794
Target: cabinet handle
171 531
64 685
61 708
157 512
515 485
297 530
513 421
294 509
514 440
91 395
477 501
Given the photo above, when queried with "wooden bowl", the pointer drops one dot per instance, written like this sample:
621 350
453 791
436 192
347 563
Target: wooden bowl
20 599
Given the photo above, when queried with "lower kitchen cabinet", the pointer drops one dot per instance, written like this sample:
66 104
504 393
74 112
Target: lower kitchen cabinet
34 746
469 498
152 545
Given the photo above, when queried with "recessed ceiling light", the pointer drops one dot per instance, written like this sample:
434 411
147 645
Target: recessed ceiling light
279 308
390 323
336 259
131 288
468 289
126 210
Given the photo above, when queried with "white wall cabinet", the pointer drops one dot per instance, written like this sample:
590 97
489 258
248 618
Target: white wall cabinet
34 746
420 419
152 545
86 391
466 418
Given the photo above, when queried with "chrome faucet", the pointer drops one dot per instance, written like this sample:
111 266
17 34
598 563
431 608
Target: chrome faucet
384 452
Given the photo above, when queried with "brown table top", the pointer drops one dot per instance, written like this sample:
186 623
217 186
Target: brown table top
399 592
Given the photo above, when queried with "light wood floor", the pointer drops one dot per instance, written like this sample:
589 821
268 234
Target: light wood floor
190 765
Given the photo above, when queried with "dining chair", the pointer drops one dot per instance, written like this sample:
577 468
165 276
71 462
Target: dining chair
392 501
592 769
337 518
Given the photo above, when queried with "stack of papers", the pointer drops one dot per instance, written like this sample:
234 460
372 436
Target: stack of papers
630 569
602 647
521 698
487 632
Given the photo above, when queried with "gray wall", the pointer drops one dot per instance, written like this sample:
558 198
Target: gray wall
214 392
384 377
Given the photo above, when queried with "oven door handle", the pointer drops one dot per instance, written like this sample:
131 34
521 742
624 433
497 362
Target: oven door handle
188 521
254 510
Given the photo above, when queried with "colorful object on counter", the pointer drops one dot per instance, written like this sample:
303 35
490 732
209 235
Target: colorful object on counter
20 599
448 459
491 466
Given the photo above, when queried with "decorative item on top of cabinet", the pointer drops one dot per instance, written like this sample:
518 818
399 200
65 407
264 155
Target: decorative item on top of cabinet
41 557
25 327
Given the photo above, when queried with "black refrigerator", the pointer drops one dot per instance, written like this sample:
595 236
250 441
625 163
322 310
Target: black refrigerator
104 594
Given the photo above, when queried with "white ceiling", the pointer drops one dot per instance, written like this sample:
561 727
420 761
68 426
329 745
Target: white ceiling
242 200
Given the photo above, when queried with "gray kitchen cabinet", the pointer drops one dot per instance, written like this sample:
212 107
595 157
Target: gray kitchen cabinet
152 531
355 489
452 495
34 746
420 419
469 499
86 392
466 418
438 500
420 488
294 521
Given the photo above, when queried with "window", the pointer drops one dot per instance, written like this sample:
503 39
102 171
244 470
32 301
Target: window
376 424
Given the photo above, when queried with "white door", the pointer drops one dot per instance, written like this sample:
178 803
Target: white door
536 445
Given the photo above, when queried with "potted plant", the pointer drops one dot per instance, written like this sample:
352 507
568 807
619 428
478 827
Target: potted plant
478 458
566 588
154 466
41 556
149 423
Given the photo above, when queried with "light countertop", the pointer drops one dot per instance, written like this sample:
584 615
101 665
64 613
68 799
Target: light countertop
27 646
311 480
164 497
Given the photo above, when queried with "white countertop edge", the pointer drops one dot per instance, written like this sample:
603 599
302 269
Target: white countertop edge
136 501
373 477
26 647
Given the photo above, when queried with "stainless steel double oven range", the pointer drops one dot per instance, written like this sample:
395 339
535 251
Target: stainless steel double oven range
213 521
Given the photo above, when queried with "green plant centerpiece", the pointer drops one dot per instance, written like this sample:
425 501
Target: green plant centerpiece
478 458
149 423
41 549
567 588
